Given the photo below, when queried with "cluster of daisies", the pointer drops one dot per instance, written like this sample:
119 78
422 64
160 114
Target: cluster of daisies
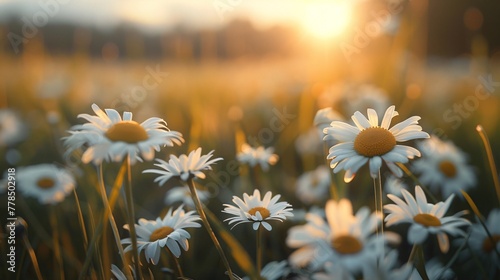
108 136
335 244
330 242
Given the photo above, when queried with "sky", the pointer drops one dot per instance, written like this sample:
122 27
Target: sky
154 14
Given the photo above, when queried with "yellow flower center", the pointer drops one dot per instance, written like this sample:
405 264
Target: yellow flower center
374 141
46 183
160 233
127 131
448 168
263 212
427 220
346 244
490 243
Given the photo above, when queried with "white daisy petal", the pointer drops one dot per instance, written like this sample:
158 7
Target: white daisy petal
402 125
348 176
444 243
150 253
417 234
267 226
360 121
256 225
389 114
372 117
375 164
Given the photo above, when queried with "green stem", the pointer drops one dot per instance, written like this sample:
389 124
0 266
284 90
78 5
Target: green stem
34 260
237 251
81 221
413 253
97 232
111 219
491 160
477 261
259 250
131 219
58 263
455 255
256 178
93 246
418 255
44 235
377 188
205 222
177 265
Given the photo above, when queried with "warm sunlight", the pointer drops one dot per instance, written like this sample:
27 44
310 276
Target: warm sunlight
327 19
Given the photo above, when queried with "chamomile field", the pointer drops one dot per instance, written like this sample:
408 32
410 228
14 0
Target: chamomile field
357 141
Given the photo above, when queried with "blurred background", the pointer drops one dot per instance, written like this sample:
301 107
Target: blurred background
213 69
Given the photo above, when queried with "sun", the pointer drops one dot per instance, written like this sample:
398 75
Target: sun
327 19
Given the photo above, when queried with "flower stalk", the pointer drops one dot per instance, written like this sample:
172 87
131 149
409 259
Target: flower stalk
417 257
58 262
177 265
259 250
491 160
111 217
377 188
205 222
131 218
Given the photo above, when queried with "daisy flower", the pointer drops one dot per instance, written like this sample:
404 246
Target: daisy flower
152 235
314 186
184 167
110 137
425 218
183 194
46 182
369 142
257 156
12 129
443 167
483 246
345 239
254 210
273 270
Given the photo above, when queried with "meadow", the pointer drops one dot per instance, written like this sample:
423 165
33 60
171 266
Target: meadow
267 101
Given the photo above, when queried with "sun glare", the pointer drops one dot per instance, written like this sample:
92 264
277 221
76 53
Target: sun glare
327 19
